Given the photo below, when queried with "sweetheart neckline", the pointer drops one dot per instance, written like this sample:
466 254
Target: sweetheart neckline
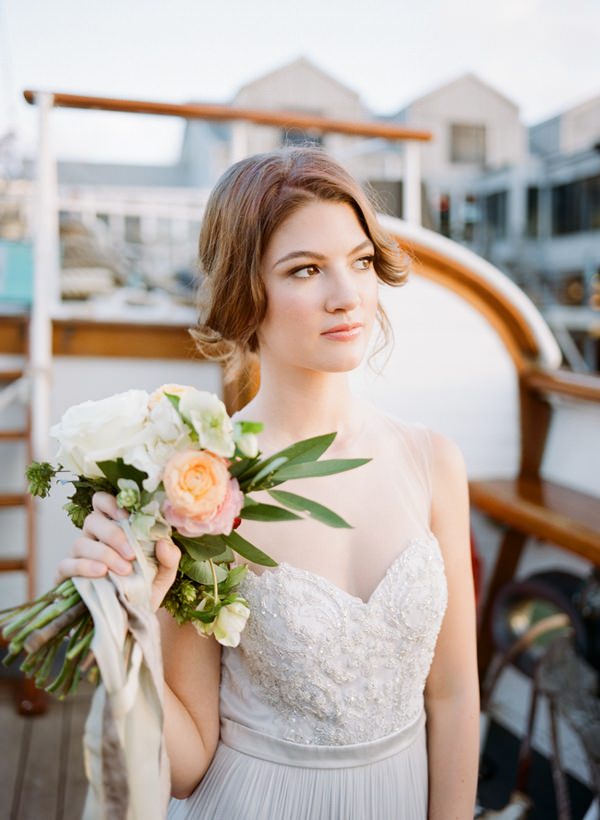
427 537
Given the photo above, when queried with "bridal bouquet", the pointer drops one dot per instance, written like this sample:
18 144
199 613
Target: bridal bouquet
183 470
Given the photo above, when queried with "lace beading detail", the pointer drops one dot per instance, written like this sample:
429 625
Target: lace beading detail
333 668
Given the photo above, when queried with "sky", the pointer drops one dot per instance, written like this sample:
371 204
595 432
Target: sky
542 54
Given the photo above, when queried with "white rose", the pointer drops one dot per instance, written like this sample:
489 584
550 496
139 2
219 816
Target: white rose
228 624
101 431
173 389
208 416
167 433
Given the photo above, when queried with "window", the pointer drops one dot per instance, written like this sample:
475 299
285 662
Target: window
533 207
576 206
298 136
388 195
495 214
133 229
470 217
467 143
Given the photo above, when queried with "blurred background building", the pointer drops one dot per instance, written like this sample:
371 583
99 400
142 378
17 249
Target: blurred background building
525 198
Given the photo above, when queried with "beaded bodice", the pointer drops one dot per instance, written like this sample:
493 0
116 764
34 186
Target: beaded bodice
318 665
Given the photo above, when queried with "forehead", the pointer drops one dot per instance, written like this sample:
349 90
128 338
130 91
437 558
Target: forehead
322 227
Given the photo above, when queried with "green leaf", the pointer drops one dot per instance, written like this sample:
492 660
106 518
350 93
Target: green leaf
241 465
308 449
201 548
267 512
317 468
249 501
200 570
114 470
174 400
268 468
248 550
233 578
249 426
316 511
226 556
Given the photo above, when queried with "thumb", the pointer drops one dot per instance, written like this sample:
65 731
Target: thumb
167 555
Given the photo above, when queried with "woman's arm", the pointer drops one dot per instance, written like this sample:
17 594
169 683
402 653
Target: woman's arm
452 690
192 663
192 671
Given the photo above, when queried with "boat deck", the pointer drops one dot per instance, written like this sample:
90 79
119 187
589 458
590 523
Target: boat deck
41 774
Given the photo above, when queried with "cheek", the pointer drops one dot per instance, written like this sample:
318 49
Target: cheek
371 295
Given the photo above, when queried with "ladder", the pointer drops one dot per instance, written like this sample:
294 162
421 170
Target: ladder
15 388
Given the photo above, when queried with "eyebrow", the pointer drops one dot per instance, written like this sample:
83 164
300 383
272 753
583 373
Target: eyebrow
313 254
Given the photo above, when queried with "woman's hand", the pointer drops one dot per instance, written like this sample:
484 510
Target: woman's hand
103 546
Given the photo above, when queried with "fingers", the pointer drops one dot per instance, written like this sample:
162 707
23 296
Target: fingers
69 567
107 504
100 528
99 552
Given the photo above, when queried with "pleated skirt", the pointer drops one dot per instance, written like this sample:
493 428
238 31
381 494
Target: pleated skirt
254 776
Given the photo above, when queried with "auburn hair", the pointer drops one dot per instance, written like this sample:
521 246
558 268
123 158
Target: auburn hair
246 206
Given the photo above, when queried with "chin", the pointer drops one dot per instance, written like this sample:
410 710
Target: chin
341 364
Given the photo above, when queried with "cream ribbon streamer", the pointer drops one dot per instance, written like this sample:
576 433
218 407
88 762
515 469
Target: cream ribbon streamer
124 749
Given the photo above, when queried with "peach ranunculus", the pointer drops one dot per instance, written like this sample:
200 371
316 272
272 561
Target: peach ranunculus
202 498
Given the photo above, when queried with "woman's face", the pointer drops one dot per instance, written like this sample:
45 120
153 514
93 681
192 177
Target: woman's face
318 274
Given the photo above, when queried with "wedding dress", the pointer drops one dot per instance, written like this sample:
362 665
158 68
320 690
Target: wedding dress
321 704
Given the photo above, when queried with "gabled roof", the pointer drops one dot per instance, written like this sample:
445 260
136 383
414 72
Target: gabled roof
300 62
467 76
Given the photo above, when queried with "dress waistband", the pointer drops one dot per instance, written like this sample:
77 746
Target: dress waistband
277 750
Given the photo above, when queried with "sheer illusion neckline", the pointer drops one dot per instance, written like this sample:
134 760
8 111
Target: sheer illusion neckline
284 566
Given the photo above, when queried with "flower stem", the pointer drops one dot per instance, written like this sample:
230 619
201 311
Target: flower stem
215 582
38 637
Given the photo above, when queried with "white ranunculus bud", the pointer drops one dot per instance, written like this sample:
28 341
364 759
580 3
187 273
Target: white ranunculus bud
248 445
230 622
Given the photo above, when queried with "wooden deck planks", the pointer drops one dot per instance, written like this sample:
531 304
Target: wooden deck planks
41 767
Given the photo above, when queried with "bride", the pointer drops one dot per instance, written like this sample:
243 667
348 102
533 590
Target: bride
353 693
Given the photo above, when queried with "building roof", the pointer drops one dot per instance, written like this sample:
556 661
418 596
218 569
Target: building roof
302 62
468 76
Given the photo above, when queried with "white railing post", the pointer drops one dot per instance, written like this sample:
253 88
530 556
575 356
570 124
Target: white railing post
411 188
46 287
239 141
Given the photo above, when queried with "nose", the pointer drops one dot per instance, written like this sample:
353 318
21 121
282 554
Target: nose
343 292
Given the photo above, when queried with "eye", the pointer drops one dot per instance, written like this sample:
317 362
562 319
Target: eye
304 271
365 262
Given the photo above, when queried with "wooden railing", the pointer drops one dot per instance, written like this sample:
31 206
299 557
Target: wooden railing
223 113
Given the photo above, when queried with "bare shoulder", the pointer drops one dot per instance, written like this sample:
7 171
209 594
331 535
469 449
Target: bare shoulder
447 459
449 494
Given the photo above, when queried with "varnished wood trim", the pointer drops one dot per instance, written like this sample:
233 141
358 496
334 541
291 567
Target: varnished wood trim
13 334
120 340
545 510
583 386
212 111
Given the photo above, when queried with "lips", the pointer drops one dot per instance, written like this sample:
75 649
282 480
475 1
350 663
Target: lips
341 328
